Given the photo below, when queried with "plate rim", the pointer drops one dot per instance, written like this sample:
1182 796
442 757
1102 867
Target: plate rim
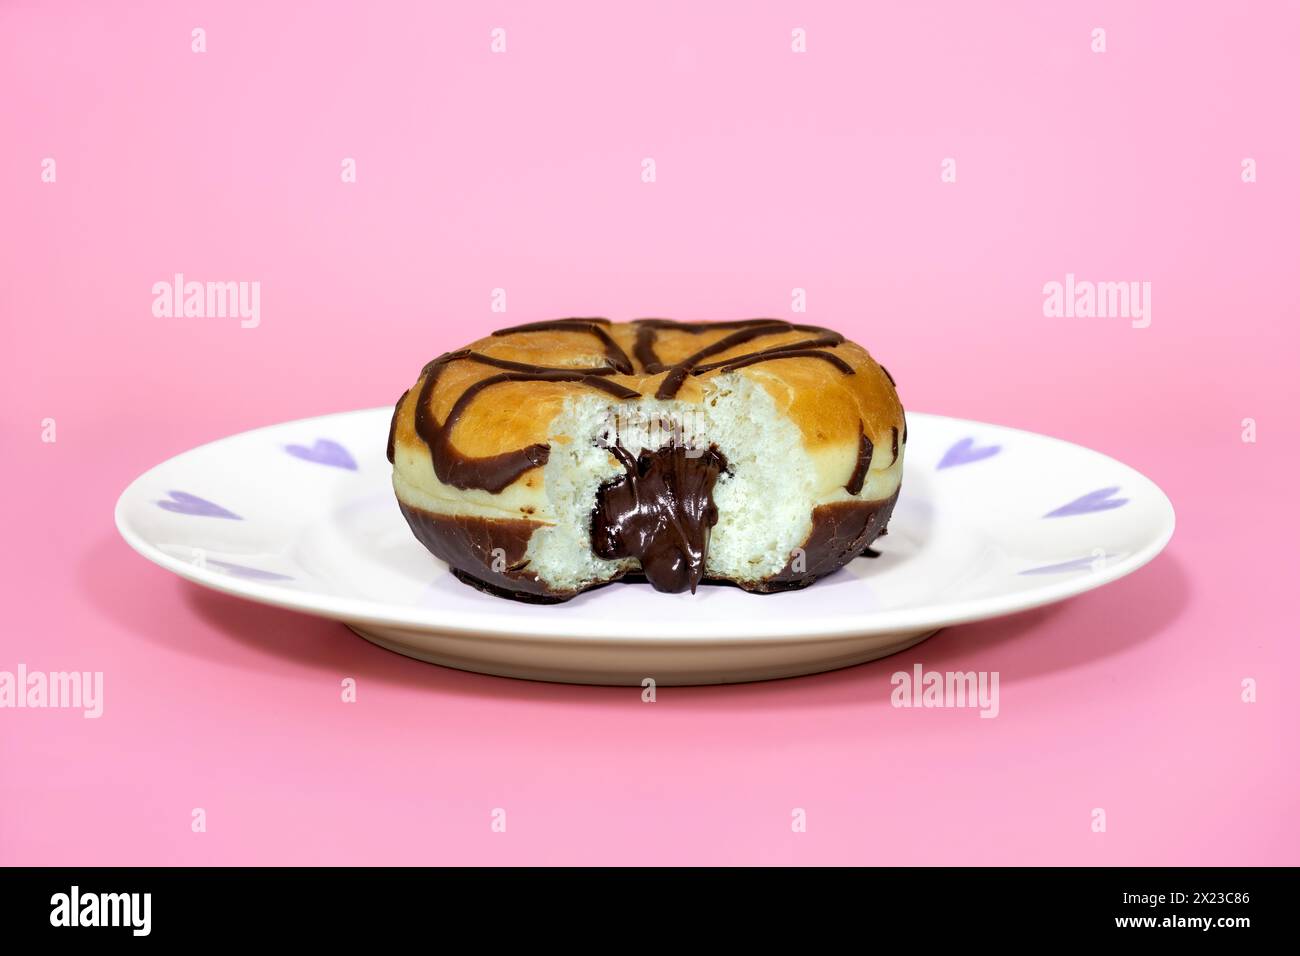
570 628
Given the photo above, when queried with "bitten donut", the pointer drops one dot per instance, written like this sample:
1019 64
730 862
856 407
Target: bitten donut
554 457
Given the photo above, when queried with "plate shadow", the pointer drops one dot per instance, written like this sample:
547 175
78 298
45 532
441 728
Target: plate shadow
147 601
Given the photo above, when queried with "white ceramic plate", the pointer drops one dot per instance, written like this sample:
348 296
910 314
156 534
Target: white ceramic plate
990 521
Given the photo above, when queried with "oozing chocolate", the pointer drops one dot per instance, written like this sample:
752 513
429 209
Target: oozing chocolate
660 512
488 553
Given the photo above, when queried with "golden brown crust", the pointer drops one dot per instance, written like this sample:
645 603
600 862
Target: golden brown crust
832 389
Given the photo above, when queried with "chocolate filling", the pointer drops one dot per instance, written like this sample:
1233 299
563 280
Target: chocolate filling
660 512
488 553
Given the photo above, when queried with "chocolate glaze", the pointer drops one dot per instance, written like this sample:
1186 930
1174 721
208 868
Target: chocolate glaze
485 553
660 512
893 442
392 427
840 532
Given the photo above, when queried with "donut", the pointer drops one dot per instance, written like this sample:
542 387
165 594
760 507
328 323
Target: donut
554 457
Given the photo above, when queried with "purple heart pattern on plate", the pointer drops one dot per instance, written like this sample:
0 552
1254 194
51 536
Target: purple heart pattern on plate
1100 500
324 452
184 503
243 571
1089 563
966 452
309 524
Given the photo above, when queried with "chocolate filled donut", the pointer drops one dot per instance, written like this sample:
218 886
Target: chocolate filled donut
554 457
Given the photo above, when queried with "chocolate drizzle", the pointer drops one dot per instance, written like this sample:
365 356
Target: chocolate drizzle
495 473
616 356
392 427
746 331
859 475
647 332
807 349
660 512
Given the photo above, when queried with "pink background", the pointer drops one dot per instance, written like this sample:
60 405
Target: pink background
775 170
